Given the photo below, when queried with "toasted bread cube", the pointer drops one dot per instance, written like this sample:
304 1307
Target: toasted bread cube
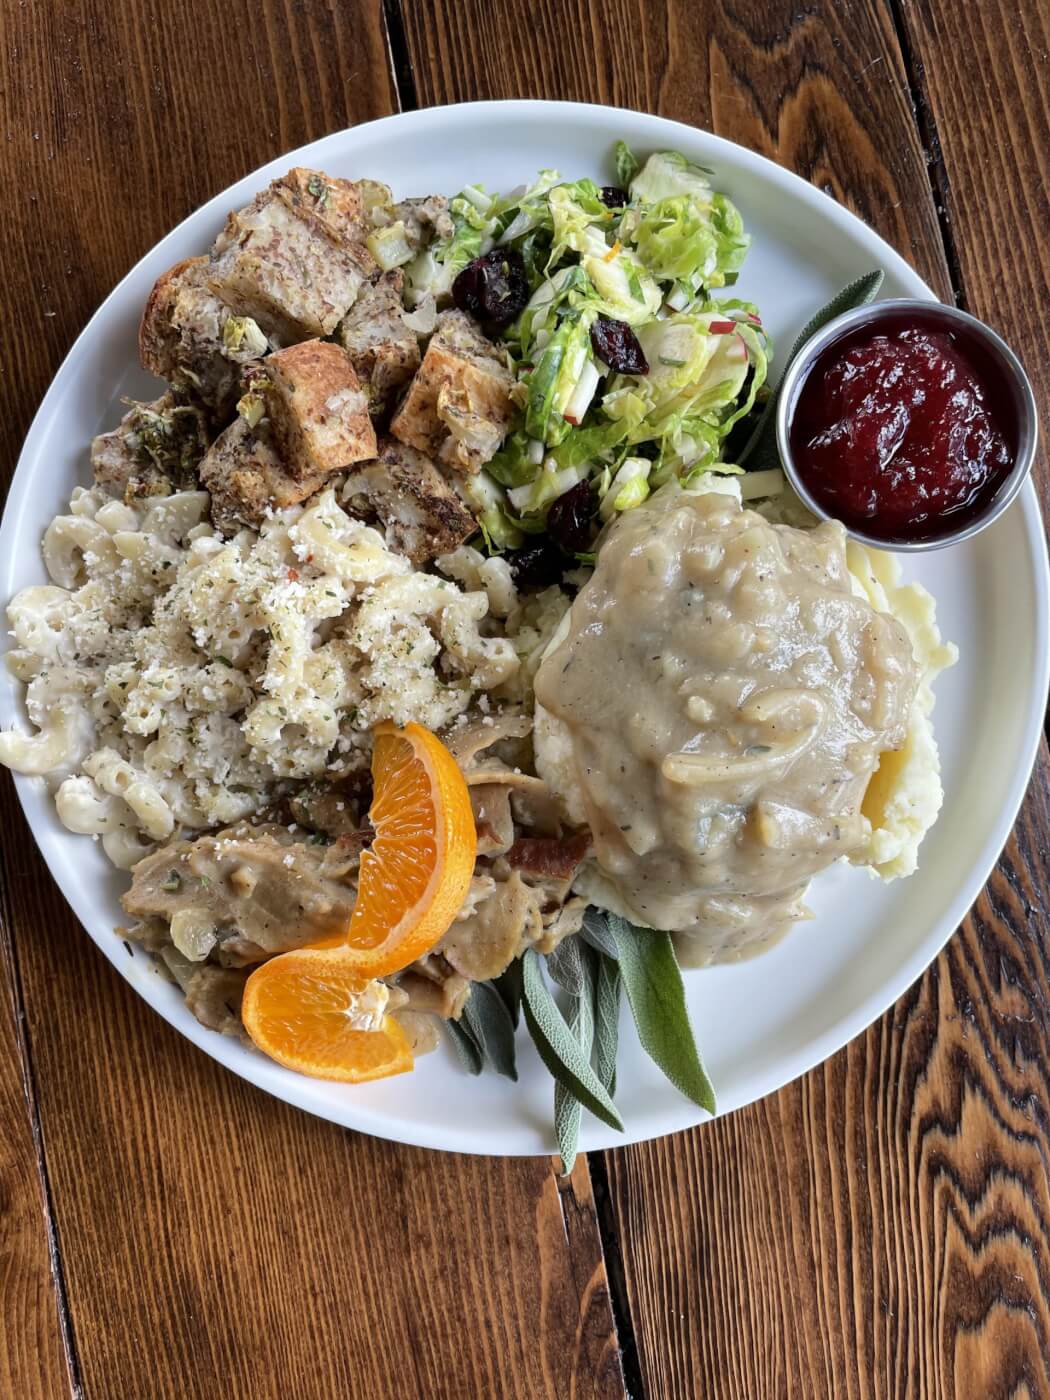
384 350
317 409
458 408
284 270
247 479
337 205
421 514
192 339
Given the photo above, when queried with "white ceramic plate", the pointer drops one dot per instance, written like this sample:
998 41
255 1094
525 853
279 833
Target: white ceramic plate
761 1023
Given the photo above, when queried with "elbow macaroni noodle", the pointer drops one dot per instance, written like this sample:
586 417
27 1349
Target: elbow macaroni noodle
176 680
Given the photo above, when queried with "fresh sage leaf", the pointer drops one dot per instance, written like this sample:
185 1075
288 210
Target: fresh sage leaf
491 1028
575 970
656 994
508 984
607 1021
558 1047
469 1053
595 931
859 292
566 965
762 444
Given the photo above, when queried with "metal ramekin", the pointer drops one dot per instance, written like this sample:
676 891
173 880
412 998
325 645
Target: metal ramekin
1014 376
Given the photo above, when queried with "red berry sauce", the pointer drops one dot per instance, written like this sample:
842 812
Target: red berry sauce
904 429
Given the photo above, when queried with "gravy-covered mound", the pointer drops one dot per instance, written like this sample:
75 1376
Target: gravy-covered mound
726 695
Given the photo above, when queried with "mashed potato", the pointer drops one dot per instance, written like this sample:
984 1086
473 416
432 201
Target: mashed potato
905 794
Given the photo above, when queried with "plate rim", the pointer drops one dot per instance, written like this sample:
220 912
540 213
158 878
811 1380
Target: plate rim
462 1137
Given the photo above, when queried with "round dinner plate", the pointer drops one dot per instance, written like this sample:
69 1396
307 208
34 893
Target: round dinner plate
760 1023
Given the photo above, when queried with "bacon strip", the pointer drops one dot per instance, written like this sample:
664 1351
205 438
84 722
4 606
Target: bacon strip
557 857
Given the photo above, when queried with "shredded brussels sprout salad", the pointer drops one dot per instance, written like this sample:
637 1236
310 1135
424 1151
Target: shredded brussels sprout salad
629 371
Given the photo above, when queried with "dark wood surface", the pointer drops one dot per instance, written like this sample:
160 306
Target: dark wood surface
882 1227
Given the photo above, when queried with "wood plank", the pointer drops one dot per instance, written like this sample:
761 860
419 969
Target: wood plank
33 1363
983 79
214 1242
880 1228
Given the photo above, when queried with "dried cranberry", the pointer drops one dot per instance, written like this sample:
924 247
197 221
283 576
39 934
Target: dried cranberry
613 197
493 288
616 344
569 518
537 565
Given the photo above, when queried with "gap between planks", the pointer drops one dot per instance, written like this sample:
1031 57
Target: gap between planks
936 171
401 72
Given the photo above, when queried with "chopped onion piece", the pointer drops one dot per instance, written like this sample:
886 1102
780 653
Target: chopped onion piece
583 393
633 470
756 484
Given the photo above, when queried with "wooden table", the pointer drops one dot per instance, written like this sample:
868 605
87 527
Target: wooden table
879 1229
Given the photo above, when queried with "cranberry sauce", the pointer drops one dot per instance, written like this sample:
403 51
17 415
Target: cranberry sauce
904 429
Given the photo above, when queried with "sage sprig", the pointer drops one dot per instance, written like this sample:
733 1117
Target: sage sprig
760 451
508 984
656 993
484 1034
489 1023
592 969
557 1046
465 1046
607 1021
572 966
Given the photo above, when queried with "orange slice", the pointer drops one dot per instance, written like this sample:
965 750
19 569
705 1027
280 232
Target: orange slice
311 1010
416 874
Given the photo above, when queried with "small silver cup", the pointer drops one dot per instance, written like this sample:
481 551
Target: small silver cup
1014 377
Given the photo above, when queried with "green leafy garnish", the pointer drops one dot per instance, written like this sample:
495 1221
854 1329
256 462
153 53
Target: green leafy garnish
654 989
607 1020
489 1023
508 985
579 1047
466 1047
760 451
558 1047
572 965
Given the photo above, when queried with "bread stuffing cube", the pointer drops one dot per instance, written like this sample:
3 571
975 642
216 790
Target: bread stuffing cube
383 348
339 206
421 514
247 478
317 408
192 339
285 269
458 407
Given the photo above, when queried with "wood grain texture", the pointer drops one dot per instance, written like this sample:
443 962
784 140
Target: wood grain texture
213 1242
982 74
32 1359
881 1228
